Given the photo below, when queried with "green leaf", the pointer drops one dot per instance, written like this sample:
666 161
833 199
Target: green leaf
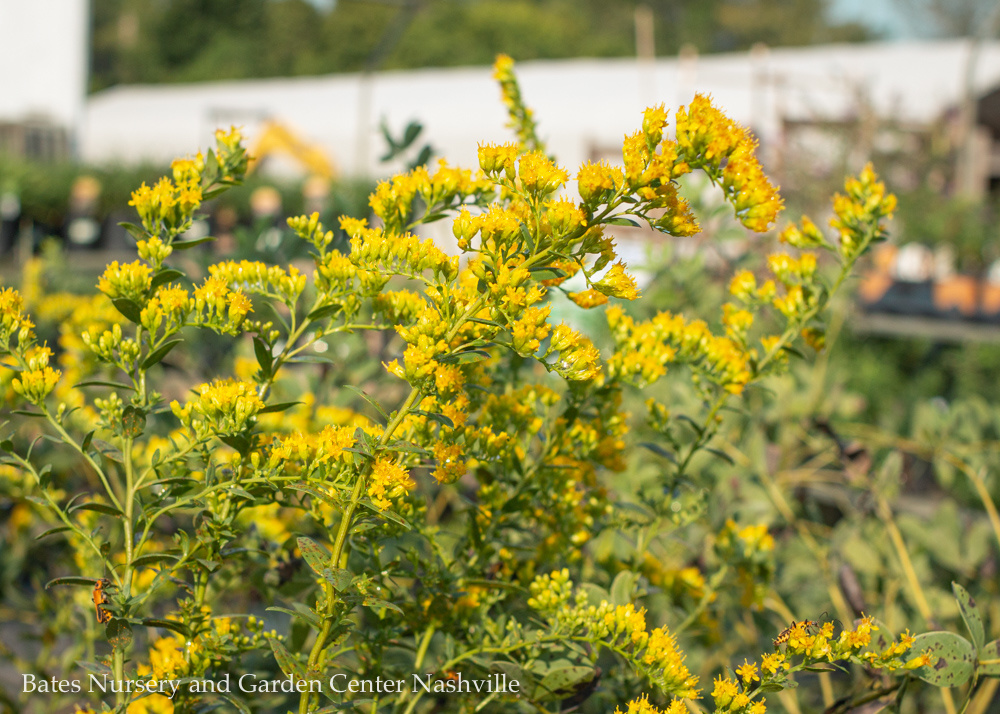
954 658
721 454
186 244
53 531
166 625
989 659
464 357
151 558
324 311
970 613
378 602
278 407
622 587
237 441
286 660
108 451
310 359
158 354
129 308
27 413
439 418
264 357
306 616
165 276
94 667
622 222
315 493
103 383
133 422
243 708
364 395
71 580
85 444
542 273
317 557
135 231
562 679
98 507
119 633
387 514
659 451
339 578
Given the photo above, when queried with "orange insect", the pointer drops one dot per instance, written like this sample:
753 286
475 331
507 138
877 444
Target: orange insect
783 636
101 599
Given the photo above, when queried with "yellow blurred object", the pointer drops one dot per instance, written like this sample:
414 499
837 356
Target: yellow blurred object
276 138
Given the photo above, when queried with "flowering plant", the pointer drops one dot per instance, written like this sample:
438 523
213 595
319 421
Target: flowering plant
425 524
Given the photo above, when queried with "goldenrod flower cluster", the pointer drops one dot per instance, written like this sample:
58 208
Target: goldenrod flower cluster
857 215
522 119
641 705
37 380
257 278
804 644
214 305
312 449
168 206
644 349
13 321
388 480
132 280
620 628
226 406
706 138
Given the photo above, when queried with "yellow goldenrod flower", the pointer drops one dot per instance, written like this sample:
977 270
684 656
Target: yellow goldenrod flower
723 693
450 464
748 672
388 480
131 281
617 283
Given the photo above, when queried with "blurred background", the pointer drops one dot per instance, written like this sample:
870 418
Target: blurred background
97 96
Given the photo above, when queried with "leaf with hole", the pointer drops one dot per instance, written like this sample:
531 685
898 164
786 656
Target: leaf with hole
953 658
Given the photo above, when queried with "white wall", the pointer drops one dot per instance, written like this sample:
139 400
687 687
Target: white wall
43 60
